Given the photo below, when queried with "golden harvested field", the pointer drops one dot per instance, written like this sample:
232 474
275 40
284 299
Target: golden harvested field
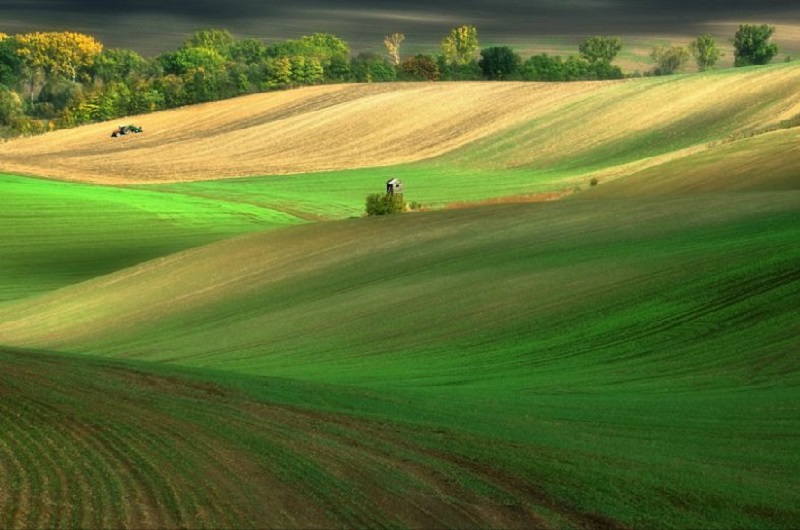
488 125
306 130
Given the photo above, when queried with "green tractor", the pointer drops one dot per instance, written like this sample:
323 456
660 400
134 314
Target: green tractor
122 130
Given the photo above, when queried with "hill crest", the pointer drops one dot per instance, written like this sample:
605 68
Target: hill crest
501 125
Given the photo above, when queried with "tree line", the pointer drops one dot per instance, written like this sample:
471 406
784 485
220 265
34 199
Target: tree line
63 79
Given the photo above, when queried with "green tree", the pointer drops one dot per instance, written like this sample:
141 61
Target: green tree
248 51
324 49
384 204
205 85
278 72
602 70
172 88
368 67
11 64
459 72
669 59
705 52
461 45
111 101
546 68
188 60
145 98
752 45
306 70
117 65
219 40
325 45
499 62
543 67
600 49
56 94
10 107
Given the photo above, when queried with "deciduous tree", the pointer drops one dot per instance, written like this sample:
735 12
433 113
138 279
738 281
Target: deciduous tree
461 45
192 59
669 59
499 62
600 49
752 45
329 51
10 107
392 43
370 67
11 64
248 51
421 67
219 40
705 52
59 53
279 72
384 204
306 70
117 65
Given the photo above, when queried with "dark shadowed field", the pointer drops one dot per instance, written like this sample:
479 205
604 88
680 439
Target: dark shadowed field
151 27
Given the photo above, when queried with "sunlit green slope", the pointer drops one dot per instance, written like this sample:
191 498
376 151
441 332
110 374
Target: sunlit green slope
594 363
767 162
626 357
364 300
89 444
56 233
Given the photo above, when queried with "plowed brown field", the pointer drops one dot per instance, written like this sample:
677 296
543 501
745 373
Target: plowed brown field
312 129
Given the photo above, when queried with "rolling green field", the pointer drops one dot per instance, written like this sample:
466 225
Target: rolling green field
56 234
205 354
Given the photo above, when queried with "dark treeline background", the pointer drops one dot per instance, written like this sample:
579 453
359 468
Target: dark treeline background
62 79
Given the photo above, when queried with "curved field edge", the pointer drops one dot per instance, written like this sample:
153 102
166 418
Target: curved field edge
766 162
567 129
106 443
314 300
57 234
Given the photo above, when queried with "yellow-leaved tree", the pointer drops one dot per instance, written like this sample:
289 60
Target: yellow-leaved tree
392 43
58 53
461 45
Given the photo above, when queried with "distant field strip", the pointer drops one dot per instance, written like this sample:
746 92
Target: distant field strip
568 127
312 129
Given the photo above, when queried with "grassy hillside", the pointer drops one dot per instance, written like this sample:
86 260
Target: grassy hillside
620 362
296 301
56 234
625 357
767 162
91 444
